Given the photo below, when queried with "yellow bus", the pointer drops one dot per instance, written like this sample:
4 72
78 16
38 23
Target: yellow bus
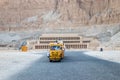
56 52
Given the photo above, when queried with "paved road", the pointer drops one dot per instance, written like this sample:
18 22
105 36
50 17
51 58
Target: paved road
75 66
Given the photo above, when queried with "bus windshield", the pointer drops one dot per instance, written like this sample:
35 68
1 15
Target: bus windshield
55 47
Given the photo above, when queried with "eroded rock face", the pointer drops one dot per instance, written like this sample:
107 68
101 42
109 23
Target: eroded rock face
29 14
89 11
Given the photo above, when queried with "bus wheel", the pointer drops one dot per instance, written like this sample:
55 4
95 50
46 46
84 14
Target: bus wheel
50 60
59 60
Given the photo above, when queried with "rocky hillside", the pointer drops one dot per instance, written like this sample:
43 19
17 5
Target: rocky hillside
18 15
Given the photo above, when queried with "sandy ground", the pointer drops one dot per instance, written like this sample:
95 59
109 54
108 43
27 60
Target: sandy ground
12 62
75 66
113 56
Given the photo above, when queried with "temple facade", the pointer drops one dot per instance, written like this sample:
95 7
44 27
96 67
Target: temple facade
71 41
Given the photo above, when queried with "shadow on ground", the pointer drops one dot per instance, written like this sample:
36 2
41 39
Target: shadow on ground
74 66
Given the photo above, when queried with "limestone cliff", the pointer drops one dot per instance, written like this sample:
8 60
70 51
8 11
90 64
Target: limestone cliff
89 11
29 14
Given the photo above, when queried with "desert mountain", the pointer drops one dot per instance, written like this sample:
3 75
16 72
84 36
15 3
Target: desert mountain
55 13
